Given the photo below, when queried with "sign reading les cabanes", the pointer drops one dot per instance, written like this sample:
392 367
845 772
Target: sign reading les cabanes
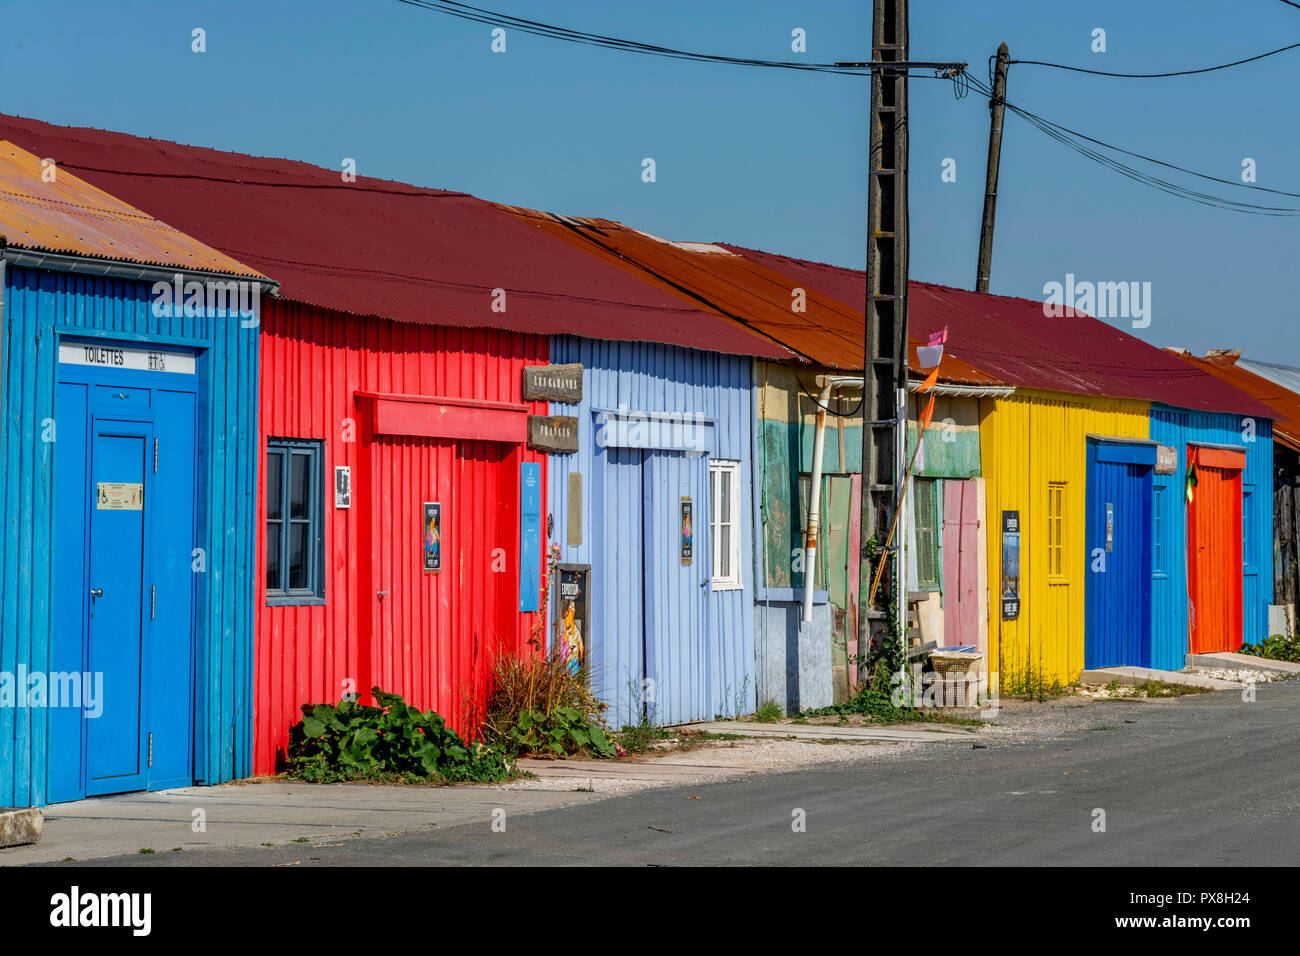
553 383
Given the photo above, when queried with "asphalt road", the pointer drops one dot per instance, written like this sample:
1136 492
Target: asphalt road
1201 780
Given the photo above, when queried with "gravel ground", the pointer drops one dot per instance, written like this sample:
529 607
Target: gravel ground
1241 675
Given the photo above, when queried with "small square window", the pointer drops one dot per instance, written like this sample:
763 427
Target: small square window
295 540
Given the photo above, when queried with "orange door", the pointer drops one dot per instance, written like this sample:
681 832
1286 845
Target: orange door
1214 549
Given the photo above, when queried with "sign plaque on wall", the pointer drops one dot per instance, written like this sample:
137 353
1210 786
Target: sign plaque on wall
1166 460
553 383
119 496
553 433
688 531
432 536
342 486
1010 565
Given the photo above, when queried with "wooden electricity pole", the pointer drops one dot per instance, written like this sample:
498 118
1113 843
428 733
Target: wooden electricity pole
885 374
997 105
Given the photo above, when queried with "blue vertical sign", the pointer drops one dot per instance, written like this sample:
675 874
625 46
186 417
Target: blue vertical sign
530 535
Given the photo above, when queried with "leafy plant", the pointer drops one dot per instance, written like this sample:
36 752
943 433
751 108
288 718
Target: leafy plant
390 741
639 739
1276 647
768 712
562 731
539 705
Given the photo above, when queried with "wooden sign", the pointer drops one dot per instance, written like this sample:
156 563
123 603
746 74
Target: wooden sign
553 383
553 433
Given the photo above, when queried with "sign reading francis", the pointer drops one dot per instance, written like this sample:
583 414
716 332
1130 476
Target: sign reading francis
553 383
554 433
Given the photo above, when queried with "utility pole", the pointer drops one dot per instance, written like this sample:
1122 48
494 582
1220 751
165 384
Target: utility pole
997 106
885 372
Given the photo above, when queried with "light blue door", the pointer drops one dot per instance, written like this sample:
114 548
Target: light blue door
116 742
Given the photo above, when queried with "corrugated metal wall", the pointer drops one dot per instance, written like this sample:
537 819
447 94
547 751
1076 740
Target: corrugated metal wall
38 305
1178 427
704 643
1029 442
430 637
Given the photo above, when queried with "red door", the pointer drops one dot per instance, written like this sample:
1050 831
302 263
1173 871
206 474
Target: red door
1214 549
960 563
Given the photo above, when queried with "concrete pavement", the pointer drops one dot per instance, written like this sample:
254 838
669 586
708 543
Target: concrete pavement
1198 780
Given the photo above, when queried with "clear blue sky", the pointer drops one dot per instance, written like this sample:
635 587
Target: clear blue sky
764 158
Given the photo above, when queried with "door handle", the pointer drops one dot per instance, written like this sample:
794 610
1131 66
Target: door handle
96 592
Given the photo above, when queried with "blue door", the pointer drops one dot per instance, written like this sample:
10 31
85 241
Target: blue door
116 743
1117 538
127 565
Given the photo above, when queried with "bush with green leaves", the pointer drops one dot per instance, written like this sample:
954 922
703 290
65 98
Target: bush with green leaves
390 741
1276 647
563 731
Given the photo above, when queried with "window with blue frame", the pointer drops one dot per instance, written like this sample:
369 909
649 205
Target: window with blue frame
295 538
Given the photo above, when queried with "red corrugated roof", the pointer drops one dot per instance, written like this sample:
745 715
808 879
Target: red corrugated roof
373 247
827 332
1222 364
1011 339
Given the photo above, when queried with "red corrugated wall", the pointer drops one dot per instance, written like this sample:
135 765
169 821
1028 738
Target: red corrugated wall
432 636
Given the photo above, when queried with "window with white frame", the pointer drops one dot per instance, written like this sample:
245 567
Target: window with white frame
724 522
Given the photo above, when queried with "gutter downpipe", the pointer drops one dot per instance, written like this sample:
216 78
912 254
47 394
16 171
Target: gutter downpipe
828 384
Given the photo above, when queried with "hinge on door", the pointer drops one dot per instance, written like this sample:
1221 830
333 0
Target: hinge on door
155 456
151 748
153 601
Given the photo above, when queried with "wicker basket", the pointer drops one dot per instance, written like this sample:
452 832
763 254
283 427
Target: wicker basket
955 663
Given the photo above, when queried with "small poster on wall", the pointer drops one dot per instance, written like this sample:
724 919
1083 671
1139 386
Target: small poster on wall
432 536
688 532
1010 565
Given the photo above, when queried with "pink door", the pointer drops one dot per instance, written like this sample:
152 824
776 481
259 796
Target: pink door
960 563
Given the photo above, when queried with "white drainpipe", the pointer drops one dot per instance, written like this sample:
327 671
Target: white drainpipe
828 384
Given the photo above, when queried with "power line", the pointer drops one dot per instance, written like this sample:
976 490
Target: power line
1079 142
465 11
1153 76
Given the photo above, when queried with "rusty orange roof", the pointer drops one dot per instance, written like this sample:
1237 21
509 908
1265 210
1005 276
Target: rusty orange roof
1222 364
827 332
68 215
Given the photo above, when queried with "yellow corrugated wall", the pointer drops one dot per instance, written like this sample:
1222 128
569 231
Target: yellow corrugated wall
1028 441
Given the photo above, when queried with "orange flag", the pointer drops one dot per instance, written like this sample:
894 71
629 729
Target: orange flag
927 413
930 381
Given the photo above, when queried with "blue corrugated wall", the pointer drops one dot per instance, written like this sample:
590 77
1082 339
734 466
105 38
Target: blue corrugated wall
1177 427
700 642
38 306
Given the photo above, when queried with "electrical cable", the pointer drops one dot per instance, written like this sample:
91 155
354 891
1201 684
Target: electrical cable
1076 141
465 11
1155 76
